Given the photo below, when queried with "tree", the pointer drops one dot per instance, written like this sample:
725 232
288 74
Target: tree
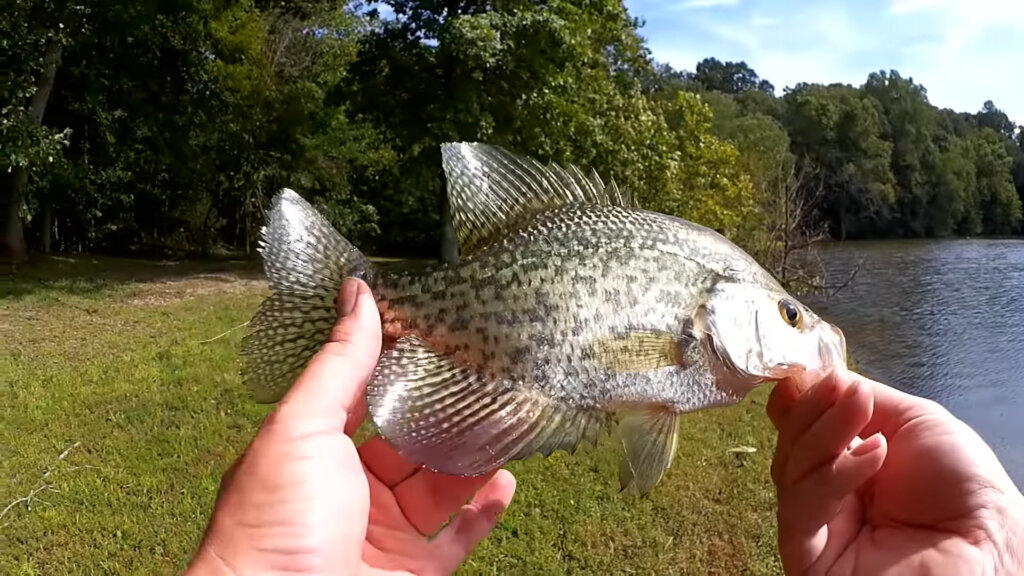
837 131
185 117
996 197
570 84
33 38
992 117
909 125
730 77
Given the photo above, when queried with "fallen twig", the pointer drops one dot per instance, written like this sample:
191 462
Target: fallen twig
27 500
224 334
836 288
42 485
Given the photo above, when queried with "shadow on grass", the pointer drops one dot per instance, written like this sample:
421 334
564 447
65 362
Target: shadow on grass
93 276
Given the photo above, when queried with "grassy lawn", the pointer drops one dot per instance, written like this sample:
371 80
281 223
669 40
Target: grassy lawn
119 419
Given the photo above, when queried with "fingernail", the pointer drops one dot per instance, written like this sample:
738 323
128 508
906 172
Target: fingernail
851 391
347 298
868 446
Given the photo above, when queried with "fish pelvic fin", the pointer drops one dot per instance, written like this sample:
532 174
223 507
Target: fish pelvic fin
492 191
305 260
453 420
649 436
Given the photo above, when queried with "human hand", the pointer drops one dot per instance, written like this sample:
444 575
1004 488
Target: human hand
303 499
922 493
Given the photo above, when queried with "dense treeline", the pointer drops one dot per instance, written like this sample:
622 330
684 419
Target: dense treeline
165 128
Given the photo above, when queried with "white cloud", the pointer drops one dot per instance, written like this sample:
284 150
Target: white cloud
708 3
963 51
976 57
910 6
760 21
808 46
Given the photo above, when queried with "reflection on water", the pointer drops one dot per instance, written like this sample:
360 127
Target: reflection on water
943 320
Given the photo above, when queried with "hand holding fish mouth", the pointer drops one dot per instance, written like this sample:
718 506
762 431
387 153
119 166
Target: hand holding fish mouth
304 499
922 493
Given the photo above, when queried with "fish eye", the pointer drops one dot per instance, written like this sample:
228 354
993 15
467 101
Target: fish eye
791 313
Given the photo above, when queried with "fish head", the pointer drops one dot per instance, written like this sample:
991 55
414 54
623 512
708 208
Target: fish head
762 334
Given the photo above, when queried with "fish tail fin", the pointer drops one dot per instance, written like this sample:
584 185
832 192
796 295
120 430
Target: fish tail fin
455 420
305 260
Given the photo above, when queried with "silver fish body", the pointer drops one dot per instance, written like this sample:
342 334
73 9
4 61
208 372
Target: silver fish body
570 308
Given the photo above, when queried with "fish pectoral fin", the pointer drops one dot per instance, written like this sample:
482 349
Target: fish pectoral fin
491 190
453 420
649 437
641 350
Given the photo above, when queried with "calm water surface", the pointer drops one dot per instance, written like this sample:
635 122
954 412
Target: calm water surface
943 320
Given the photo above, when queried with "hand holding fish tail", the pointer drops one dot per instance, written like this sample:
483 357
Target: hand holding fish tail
921 493
304 499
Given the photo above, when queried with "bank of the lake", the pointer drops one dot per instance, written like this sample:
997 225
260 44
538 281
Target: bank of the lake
941 319
105 362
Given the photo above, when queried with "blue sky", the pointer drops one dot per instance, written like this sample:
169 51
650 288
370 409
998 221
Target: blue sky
963 51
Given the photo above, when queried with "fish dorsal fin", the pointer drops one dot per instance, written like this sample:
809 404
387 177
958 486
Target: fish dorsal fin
492 190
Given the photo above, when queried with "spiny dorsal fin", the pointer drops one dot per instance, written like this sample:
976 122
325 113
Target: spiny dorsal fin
491 189
649 437
452 420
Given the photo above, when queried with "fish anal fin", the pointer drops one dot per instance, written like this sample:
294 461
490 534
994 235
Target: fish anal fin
492 190
649 436
454 420
641 350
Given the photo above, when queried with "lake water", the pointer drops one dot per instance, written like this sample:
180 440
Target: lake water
944 320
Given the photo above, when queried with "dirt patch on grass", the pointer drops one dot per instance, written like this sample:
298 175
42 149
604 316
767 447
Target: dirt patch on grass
177 289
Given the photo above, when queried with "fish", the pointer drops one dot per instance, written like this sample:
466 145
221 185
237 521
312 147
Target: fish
571 311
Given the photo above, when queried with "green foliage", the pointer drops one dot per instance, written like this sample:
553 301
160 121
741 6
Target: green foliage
711 186
566 84
171 125
838 130
995 196
730 77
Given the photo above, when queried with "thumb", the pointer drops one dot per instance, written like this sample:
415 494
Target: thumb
330 391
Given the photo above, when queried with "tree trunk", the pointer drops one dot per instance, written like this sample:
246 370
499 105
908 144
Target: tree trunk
47 226
14 234
449 242
14 237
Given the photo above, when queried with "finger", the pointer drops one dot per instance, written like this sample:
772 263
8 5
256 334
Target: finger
893 408
806 507
781 400
384 462
805 412
330 391
832 434
429 499
475 520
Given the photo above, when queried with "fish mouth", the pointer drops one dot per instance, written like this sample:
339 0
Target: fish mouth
833 350
821 356
831 353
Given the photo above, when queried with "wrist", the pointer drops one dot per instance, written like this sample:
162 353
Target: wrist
1017 543
1012 552
207 563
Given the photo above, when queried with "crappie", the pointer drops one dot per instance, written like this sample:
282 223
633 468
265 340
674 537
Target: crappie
571 308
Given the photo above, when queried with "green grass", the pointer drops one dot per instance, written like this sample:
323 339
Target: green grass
102 361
